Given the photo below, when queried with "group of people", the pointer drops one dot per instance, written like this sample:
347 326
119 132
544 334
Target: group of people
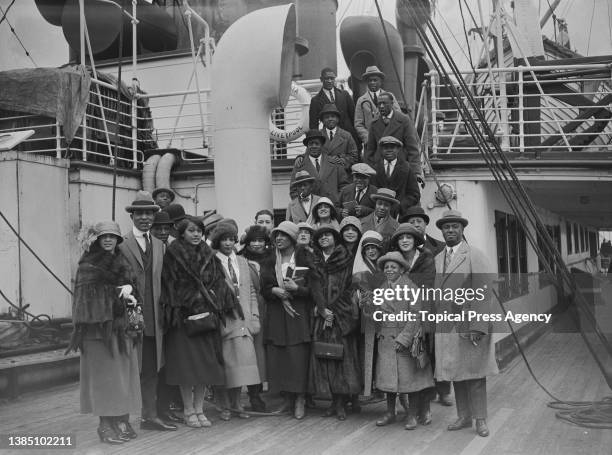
184 305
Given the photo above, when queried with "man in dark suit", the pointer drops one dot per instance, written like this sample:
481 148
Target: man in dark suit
341 98
420 220
355 199
145 255
339 142
394 173
328 171
300 208
400 126
380 220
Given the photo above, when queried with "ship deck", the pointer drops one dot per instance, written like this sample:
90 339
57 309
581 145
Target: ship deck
519 420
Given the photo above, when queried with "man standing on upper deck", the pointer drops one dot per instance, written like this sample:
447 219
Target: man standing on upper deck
393 123
366 108
329 93
464 351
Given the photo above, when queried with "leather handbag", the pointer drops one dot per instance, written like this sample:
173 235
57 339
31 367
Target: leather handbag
328 351
201 323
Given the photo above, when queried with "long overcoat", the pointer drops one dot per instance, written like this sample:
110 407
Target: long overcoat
457 359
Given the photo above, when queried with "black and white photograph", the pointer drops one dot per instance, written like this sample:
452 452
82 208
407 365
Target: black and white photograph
306 227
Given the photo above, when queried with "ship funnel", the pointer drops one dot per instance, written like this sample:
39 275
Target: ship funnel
413 48
251 75
363 44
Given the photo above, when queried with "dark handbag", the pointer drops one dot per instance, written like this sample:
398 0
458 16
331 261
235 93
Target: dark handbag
135 325
201 323
328 351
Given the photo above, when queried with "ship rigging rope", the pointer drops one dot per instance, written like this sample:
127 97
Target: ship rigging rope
8 8
586 414
15 33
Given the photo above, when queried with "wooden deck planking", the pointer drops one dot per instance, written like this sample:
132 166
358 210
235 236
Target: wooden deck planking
519 419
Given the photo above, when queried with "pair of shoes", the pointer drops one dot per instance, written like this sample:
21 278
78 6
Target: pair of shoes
225 415
156 424
386 419
170 416
481 428
191 420
411 422
124 430
445 400
300 404
257 404
204 422
108 436
425 418
461 422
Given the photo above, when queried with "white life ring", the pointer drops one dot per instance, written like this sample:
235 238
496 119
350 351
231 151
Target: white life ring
303 98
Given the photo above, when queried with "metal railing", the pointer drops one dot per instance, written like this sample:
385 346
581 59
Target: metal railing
548 108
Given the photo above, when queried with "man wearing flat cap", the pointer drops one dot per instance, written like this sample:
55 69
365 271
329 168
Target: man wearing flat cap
393 123
464 351
299 209
380 220
339 143
393 172
330 175
366 108
355 199
329 93
145 255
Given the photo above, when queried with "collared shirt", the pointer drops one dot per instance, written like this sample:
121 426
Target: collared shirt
330 95
139 235
453 249
232 257
361 193
392 166
313 161
329 132
306 203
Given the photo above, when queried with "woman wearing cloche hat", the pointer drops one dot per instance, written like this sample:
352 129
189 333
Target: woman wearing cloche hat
103 297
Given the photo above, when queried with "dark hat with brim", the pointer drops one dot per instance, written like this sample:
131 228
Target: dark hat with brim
409 229
156 191
329 109
394 256
385 194
161 218
414 212
386 140
451 216
303 176
175 211
314 134
327 228
143 201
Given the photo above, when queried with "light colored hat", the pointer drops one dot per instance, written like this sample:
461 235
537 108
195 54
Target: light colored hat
143 201
286 227
302 176
108 227
390 140
305 225
385 194
451 216
406 228
351 221
372 71
371 238
362 168
394 256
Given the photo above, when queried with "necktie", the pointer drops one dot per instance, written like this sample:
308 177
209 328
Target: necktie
331 96
359 195
448 258
232 272
386 120
375 99
317 165
388 168
331 135
147 242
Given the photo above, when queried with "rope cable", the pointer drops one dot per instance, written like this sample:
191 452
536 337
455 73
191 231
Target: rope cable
17 36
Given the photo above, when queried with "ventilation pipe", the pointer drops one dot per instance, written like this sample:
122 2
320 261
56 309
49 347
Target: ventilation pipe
260 45
413 48
363 44
149 170
162 173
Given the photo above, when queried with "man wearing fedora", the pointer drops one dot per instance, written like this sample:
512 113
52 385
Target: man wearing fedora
162 227
393 172
145 255
163 197
356 198
339 142
329 93
380 220
366 108
329 173
464 351
299 209
393 123
420 220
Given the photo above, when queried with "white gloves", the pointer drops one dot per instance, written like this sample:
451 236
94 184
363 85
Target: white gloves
126 291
